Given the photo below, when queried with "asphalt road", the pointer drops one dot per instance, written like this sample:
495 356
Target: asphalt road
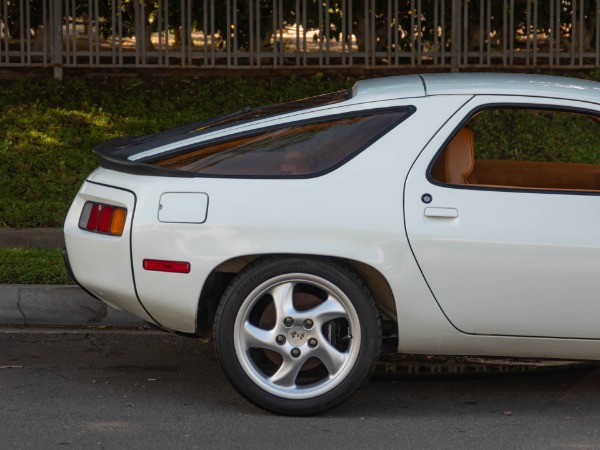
116 389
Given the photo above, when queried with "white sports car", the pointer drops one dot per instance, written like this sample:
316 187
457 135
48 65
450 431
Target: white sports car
449 214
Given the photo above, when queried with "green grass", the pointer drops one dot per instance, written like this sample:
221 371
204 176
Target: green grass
527 135
32 266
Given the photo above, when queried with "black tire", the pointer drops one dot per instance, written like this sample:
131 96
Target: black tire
317 358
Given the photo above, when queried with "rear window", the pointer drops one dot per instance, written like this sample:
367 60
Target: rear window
295 150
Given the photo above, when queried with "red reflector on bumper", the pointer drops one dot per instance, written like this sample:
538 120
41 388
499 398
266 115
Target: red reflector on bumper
167 266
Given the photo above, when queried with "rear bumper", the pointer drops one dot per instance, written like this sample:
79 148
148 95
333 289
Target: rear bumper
72 275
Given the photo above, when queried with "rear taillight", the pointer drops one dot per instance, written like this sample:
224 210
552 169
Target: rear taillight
104 219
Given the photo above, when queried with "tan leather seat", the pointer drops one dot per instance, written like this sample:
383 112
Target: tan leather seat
459 159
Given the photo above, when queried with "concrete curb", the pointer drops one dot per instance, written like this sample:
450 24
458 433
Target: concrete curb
66 305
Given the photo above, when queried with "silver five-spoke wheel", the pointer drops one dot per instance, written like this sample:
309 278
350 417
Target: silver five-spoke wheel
297 336
302 341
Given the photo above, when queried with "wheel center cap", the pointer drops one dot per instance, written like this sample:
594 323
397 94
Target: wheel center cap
297 336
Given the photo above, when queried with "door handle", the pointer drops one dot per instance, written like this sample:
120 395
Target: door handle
443 213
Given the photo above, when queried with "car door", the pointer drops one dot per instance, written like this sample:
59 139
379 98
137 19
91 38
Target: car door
504 258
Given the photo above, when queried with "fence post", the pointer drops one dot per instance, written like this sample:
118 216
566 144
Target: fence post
57 38
455 31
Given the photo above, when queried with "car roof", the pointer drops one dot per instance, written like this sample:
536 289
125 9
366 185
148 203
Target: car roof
410 86
386 88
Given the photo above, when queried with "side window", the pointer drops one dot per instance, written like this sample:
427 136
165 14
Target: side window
524 148
293 150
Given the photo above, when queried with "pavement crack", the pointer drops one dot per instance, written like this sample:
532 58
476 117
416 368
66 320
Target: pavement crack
19 305
94 344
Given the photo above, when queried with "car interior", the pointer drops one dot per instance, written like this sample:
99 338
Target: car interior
458 165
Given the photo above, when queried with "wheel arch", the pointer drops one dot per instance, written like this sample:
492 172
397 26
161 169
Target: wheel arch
223 274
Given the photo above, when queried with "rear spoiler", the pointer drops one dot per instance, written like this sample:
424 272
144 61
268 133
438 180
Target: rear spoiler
114 154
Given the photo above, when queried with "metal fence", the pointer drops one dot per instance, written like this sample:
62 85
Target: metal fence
299 34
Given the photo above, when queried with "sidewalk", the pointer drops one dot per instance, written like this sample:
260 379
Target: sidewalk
22 305
40 305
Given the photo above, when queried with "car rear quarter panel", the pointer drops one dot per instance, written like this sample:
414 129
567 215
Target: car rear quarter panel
354 212
101 263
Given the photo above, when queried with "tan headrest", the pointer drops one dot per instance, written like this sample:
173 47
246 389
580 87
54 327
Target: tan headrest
459 158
